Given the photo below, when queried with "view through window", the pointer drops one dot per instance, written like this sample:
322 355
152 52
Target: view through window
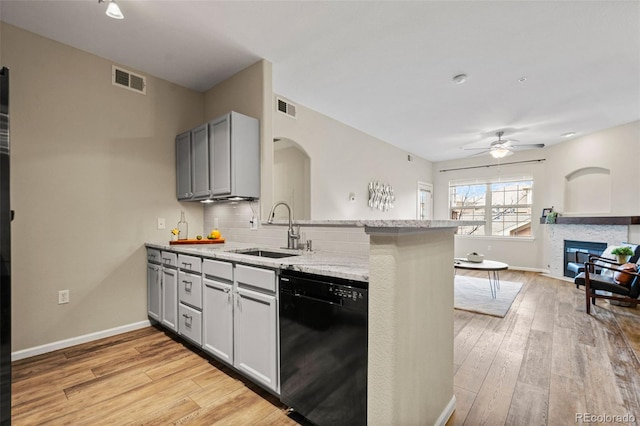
505 206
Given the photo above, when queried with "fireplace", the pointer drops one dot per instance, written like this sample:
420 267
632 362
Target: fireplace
578 252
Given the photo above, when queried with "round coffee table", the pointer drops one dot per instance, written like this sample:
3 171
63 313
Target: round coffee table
492 267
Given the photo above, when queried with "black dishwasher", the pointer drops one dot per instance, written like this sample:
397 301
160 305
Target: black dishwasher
323 348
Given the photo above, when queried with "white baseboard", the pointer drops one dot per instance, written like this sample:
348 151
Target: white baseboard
447 412
62 344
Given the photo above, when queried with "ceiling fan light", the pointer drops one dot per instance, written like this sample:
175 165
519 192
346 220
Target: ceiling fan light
499 152
113 10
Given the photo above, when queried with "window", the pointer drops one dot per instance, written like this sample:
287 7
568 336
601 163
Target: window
505 206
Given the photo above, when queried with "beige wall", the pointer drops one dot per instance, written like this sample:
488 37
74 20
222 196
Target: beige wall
93 166
345 160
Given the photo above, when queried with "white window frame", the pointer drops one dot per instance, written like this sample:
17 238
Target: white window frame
489 207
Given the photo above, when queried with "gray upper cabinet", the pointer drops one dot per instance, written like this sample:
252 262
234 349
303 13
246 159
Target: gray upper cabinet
234 141
223 160
183 166
220 145
200 162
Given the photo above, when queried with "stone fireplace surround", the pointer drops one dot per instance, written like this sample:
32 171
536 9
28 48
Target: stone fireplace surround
610 230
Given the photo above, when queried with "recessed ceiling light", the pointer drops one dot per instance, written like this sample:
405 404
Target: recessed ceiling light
460 78
568 134
522 79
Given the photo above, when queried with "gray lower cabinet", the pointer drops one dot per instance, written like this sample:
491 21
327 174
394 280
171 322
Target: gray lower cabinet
190 298
218 319
255 336
255 325
154 284
154 291
169 315
190 323
169 306
229 310
240 319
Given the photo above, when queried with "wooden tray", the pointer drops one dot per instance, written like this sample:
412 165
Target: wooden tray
194 241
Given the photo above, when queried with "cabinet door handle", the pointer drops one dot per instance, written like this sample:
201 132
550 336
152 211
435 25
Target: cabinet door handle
187 285
227 290
185 264
166 260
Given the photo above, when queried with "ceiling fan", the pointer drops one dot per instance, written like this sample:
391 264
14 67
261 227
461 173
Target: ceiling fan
502 147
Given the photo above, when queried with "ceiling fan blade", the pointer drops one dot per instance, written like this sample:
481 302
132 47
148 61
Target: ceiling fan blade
531 145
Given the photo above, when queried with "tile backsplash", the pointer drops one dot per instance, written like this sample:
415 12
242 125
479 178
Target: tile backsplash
234 222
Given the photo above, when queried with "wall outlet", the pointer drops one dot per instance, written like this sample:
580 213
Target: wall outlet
63 297
216 223
161 223
254 223
488 248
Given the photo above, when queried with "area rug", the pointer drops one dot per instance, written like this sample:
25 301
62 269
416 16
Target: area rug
474 295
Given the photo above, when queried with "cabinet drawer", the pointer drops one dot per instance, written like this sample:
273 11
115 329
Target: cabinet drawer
215 268
153 256
190 289
189 263
190 323
169 259
256 277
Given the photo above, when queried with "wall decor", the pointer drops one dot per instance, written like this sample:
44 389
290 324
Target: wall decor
381 196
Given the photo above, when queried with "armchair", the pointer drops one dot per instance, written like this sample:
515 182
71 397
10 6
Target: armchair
593 282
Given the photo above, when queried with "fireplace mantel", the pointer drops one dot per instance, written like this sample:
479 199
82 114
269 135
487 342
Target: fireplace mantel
596 220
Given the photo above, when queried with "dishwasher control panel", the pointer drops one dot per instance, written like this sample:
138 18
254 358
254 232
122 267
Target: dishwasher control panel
351 294
346 292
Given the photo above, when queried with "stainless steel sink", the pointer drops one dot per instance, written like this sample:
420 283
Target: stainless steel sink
265 253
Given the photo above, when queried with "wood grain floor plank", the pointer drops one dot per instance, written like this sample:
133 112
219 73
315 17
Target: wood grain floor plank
564 354
169 414
544 317
174 366
143 404
566 399
475 367
493 401
536 362
467 338
529 405
464 402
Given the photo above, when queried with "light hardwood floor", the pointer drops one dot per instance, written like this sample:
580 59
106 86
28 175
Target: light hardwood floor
541 364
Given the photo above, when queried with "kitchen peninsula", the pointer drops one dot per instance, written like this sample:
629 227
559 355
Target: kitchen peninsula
410 274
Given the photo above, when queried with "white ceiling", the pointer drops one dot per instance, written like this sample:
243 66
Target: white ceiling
386 68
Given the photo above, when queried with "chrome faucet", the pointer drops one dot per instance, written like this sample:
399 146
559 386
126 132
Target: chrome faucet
292 235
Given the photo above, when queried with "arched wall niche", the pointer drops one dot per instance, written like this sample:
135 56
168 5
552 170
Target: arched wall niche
291 178
587 191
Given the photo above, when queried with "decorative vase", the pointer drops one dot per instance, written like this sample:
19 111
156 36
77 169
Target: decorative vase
623 258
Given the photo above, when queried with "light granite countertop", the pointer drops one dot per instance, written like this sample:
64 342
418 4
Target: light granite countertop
331 264
372 225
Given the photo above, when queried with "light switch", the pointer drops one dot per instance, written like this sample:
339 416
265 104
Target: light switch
161 224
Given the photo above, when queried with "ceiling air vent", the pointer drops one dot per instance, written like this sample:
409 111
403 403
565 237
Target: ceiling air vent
128 80
286 108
